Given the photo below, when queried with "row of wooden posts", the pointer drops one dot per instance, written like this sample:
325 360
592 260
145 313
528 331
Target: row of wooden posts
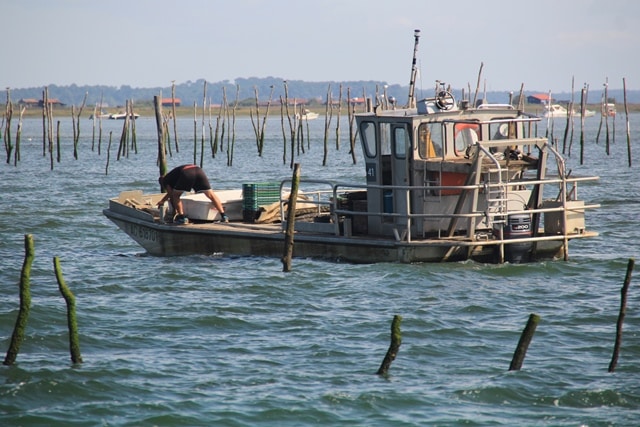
295 129
610 137
396 336
224 130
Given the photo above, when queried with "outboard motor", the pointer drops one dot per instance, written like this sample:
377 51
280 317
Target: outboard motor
517 227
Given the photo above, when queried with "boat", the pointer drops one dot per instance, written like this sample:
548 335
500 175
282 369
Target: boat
100 115
555 111
587 113
122 116
559 111
609 109
442 181
307 115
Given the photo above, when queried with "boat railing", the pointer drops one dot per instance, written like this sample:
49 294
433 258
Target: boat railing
319 195
331 194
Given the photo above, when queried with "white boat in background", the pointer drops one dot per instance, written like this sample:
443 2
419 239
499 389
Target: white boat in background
587 113
556 111
307 115
101 115
122 116
609 109
559 111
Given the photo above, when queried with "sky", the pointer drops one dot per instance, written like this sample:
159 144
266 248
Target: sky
543 44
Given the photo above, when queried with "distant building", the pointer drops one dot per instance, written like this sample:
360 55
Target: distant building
29 102
539 98
168 102
32 102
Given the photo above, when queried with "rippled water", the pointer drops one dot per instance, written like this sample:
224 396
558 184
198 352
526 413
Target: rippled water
201 341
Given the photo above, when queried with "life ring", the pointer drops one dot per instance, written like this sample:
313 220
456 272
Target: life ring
462 126
464 136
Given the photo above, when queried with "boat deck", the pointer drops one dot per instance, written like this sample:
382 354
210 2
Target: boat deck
322 240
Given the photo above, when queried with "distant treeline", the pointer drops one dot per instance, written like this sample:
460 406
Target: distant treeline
191 93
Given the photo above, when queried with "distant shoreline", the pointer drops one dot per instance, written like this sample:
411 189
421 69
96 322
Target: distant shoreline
182 111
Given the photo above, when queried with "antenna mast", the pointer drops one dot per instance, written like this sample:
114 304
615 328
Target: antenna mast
414 71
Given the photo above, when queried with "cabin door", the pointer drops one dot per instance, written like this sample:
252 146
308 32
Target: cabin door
401 149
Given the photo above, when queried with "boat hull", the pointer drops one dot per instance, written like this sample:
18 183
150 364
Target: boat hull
267 240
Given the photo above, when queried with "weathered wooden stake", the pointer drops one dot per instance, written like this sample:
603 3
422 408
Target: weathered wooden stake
16 153
173 113
291 220
392 352
338 115
583 111
523 344
76 125
626 112
106 168
7 129
70 299
25 302
623 310
232 143
327 123
351 121
606 117
162 158
58 147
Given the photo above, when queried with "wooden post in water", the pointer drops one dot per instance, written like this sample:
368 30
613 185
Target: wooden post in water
100 124
50 127
626 112
162 158
583 111
25 302
106 168
72 323
76 125
204 111
291 220
7 129
195 132
327 123
292 127
44 122
173 111
606 117
623 311
394 346
232 143
16 153
58 155
523 344
284 134
352 131
338 117
569 122
134 139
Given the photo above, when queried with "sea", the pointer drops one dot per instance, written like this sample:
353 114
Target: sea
221 340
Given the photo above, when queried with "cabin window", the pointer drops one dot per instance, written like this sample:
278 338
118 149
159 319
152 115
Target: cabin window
401 142
368 132
502 130
430 140
465 135
385 139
